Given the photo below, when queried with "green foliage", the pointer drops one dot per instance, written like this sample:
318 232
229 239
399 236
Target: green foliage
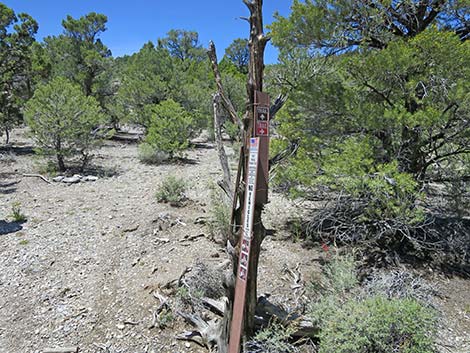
145 76
156 74
166 318
79 55
385 114
272 339
378 325
149 155
172 190
16 213
16 38
183 45
63 121
327 25
351 323
170 128
239 54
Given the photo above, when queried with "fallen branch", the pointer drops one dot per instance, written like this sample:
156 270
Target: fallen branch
38 176
157 313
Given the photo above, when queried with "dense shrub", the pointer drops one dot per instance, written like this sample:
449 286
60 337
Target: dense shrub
378 325
149 155
172 190
351 320
63 121
170 128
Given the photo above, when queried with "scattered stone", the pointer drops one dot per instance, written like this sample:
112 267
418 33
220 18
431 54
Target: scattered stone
120 326
131 228
90 178
58 178
164 221
72 180
200 220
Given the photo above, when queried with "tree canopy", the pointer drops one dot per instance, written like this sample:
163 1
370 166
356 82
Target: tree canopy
16 37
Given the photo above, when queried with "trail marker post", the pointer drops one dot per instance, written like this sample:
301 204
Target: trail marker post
256 195
245 242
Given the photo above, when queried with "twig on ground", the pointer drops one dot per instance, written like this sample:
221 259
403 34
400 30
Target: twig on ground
38 176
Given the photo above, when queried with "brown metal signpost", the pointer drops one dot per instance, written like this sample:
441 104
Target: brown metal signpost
247 223
256 195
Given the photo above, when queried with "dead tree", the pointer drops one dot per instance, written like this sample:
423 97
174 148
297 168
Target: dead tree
217 331
257 44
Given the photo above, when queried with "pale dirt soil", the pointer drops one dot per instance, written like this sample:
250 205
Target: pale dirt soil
82 269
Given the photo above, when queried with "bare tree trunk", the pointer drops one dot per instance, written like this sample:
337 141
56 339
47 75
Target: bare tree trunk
226 183
257 44
7 135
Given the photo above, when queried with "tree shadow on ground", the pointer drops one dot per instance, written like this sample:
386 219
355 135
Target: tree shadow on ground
203 145
18 150
9 227
7 187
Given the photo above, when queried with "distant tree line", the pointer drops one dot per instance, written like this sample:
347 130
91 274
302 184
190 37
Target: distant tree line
169 79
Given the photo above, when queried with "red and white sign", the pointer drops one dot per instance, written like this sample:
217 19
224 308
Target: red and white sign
262 120
262 128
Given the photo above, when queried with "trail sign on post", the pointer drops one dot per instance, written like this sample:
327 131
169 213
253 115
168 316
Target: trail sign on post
245 244
261 115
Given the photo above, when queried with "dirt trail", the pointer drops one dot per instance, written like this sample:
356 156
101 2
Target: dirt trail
81 270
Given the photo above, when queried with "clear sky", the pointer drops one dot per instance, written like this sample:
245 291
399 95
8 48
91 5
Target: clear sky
131 23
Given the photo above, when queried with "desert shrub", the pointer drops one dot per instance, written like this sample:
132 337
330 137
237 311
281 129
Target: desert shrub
200 282
219 216
379 319
64 122
399 284
149 155
232 130
272 339
378 325
332 287
170 128
16 214
172 190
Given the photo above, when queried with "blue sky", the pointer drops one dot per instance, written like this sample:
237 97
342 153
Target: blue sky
131 23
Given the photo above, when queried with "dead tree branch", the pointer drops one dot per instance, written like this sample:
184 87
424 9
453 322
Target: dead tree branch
226 183
220 88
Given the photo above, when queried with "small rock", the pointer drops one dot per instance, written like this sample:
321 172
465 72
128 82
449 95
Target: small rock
120 326
131 228
215 255
51 220
187 345
58 178
90 178
71 180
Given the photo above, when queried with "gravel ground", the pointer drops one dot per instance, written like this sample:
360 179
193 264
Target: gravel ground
82 269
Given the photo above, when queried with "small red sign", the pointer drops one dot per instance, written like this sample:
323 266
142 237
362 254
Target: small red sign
262 128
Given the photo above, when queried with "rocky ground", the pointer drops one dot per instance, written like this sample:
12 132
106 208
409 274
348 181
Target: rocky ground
82 270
